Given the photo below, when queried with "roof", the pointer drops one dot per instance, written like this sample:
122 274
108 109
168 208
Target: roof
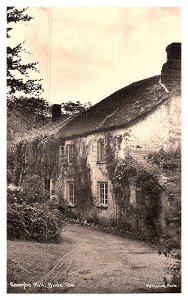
48 130
117 110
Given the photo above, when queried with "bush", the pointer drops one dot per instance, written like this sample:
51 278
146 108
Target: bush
14 195
34 222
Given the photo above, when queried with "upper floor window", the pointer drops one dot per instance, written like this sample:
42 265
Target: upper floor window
66 154
101 151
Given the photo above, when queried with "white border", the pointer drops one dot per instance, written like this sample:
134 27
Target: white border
99 3
87 3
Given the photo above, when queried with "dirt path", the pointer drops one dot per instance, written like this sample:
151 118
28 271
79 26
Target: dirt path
102 263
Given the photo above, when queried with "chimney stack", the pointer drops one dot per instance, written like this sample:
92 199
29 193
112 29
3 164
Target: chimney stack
56 112
171 70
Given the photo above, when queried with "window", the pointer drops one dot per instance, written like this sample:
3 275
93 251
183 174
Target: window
66 154
101 150
28 155
53 195
103 192
118 140
71 198
70 153
47 183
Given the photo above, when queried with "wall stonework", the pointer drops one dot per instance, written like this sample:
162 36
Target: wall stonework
174 113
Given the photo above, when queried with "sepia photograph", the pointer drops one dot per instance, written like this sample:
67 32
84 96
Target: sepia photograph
93 149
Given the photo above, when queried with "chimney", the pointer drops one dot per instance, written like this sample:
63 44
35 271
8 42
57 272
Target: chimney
171 70
56 112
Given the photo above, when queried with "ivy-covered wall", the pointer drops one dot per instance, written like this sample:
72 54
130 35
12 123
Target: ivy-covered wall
30 162
143 196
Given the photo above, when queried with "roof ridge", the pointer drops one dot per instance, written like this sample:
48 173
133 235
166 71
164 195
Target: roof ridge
118 109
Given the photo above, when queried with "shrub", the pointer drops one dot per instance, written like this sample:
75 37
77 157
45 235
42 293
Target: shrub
14 196
33 221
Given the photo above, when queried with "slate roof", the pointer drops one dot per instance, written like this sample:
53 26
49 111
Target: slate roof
120 109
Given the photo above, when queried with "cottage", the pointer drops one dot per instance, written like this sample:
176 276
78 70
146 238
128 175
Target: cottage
104 167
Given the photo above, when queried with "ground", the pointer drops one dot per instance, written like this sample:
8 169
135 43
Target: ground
87 261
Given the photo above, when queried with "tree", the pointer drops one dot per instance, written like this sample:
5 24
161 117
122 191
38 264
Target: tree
71 108
18 77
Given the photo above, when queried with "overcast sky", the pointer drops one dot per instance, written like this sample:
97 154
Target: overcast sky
86 54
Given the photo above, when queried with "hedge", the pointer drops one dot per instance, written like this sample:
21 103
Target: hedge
33 221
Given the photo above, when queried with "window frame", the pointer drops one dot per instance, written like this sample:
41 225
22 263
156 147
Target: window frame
71 198
103 193
70 153
101 150
47 185
66 154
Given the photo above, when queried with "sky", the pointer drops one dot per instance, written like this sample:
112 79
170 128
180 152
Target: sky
85 54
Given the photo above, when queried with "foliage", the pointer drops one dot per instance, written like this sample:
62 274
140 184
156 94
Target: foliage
174 269
138 220
32 106
34 221
16 162
18 73
79 172
15 15
166 161
169 163
72 108
30 161
82 179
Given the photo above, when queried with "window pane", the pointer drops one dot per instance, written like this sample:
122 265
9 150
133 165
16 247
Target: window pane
103 192
70 153
101 150
66 154
71 192
63 154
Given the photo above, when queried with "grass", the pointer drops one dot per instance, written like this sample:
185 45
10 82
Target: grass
28 261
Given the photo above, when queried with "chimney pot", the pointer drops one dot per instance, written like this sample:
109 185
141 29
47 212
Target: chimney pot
171 70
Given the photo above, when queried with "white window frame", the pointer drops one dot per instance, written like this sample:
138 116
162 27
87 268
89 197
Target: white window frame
103 193
71 192
66 154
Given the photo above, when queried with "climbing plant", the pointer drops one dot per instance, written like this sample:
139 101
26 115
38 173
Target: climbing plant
121 172
82 177
169 163
31 161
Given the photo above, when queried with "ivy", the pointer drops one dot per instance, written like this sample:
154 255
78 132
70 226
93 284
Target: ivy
30 161
169 161
121 172
82 178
